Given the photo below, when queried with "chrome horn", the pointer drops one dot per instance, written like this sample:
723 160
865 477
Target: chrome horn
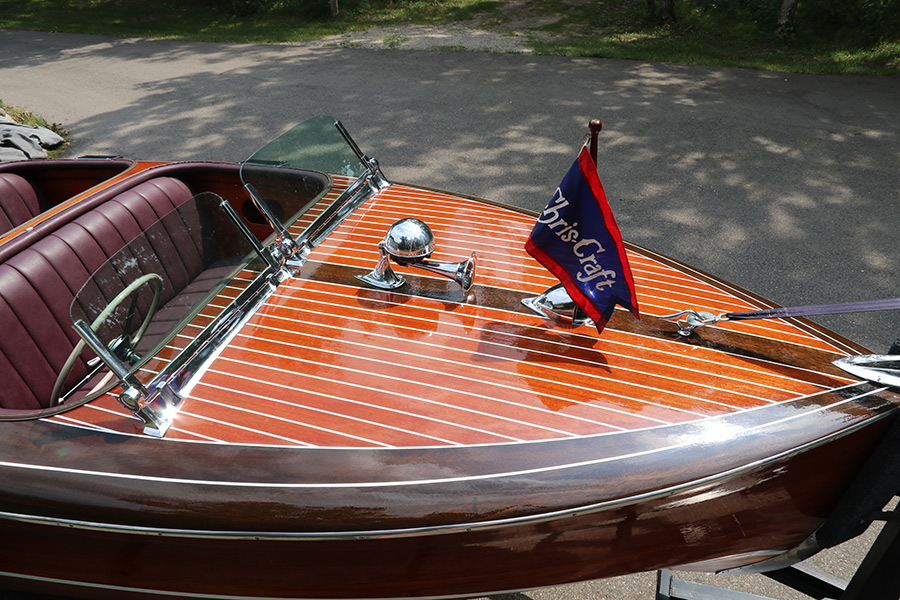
409 242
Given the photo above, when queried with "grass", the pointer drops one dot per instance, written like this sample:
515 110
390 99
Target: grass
599 28
22 116
616 29
754 52
216 21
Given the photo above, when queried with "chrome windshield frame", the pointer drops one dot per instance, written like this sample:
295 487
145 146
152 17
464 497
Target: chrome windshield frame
156 403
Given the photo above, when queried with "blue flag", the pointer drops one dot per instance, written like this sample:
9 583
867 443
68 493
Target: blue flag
577 239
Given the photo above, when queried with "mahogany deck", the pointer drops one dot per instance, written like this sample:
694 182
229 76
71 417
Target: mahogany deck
330 362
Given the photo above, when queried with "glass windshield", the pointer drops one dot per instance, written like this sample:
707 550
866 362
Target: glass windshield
286 176
148 290
314 145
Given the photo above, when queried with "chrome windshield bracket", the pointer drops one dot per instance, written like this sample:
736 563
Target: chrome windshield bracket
377 180
285 253
288 256
882 369
156 408
693 319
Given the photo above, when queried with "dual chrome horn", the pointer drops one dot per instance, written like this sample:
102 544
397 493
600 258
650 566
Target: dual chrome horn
409 242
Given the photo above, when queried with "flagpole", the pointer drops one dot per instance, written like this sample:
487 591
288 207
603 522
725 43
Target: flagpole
594 127
577 239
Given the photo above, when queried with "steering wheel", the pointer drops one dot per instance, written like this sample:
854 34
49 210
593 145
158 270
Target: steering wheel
130 290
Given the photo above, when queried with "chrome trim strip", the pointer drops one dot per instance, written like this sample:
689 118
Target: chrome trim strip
132 590
95 429
168 593
188 367
799 553
352 198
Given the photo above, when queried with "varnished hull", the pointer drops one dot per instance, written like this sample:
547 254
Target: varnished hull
424 443
500 519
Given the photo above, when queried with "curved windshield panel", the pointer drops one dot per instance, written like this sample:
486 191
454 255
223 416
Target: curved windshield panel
147 291
314 145
285 178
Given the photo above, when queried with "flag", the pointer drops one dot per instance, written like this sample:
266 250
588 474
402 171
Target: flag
577 239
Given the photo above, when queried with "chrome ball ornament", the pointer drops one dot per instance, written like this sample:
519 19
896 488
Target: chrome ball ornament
409 240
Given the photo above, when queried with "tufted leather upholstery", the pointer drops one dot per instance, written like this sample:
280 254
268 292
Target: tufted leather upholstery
18 201
37 285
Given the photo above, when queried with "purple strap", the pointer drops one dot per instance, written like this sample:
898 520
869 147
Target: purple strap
817 309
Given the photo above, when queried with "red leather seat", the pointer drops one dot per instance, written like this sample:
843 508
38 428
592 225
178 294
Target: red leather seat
38 283
18 201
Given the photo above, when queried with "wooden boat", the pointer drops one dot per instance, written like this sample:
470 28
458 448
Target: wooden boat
262 421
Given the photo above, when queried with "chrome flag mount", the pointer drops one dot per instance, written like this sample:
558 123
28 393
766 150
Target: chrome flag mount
577 239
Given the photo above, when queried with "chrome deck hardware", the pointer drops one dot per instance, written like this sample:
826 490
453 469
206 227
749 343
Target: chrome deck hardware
556 302
882 369
408 242
693 319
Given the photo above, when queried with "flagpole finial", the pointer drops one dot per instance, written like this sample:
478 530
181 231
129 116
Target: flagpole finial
594 127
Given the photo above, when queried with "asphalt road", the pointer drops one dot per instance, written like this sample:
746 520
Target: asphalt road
785 184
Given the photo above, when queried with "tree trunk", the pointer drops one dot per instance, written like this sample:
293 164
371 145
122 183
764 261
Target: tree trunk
786 18
667 11
333 5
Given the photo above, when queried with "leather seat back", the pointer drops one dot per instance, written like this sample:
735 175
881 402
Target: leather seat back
18 201
37 286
